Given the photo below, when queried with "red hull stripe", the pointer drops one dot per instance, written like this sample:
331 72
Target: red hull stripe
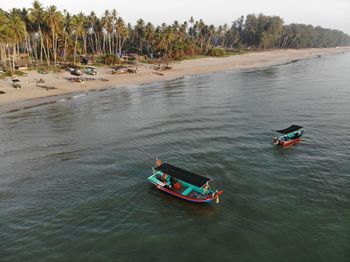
288 143
186 197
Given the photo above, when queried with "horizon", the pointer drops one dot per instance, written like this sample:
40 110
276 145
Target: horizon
330 14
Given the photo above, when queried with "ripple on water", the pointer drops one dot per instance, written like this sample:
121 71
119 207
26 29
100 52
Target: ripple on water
73 180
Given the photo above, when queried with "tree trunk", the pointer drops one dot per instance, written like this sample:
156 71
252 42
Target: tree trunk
9 56
13 58
54 48
104 43
98 50
110 44
47 51
41 45
85 44
75 48
65 47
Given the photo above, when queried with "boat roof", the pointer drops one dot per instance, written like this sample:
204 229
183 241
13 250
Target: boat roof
183 175
290 129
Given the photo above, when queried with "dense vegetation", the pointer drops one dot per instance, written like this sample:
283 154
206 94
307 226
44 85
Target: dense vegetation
48 35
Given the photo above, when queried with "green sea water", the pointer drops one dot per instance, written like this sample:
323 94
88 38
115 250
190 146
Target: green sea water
73 173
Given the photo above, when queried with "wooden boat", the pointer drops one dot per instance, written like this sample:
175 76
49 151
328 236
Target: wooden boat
290 136
90 70
74 71
183 184
16 83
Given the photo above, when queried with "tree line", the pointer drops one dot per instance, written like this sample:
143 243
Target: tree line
48 35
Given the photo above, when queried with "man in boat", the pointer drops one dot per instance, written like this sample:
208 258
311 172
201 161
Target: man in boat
158 162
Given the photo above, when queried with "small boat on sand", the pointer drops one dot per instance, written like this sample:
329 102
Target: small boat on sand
74 71
16 83
90 70
290 136
183 184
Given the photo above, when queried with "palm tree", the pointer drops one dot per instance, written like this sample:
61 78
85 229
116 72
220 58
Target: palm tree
123 34
4 37
224 28
66 31
166 38
92 21
108 27
78 29
140 33
36 16
114 17
149 35
16 32
54 19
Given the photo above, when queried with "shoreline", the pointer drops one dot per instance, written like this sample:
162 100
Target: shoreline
30 92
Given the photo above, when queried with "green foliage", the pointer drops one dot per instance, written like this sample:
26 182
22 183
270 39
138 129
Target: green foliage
306 36
217 52
48 34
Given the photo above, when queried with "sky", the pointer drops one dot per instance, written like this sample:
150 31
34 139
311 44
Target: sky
333 14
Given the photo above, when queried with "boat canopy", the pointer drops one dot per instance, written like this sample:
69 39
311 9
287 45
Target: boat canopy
290 129
183 175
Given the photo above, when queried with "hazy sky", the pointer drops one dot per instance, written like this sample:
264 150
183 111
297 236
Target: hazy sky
326 13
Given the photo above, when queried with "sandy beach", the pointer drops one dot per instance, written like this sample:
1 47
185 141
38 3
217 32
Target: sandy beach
146 74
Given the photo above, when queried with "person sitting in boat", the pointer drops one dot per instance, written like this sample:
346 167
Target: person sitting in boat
205 188
158 162
165 178
167 181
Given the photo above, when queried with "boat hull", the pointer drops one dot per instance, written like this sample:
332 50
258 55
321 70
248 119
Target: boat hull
289 143
190 199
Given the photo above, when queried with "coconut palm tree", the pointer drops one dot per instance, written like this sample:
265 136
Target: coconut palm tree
36 16
114 18
140 33
4 37
92 21
54 20
122 34
16 32
108 27
78 29
149 35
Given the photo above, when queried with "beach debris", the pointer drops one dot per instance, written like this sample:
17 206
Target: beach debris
123 70
76 79
119 70
157 73
40 81
2 92
132 70
166 67
162 67
46 87
16 83
104 79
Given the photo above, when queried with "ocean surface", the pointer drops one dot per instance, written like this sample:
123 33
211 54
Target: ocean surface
73 172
